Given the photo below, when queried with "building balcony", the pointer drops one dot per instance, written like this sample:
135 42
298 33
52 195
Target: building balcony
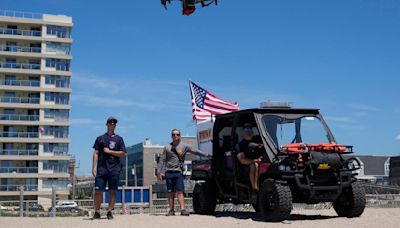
19 152
55 168
20 100
18 14
58 67
19 135
57 153
19 117
18 169
20 32
58 101
29 83
14 188
21 49
24 66
56 118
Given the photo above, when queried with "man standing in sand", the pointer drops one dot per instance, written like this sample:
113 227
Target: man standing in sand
170 167
106 166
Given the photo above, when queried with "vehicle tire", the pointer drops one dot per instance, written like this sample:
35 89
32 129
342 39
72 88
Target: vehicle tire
275 201
204 198
351 203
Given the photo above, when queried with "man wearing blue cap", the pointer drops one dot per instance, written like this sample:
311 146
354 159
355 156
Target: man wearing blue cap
106 167
249 159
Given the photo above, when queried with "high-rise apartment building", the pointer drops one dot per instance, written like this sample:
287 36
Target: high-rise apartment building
35 57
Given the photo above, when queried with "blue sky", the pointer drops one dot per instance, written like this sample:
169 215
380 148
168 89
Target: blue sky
133 60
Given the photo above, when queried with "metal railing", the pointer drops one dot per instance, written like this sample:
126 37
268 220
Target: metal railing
56 134
56 153
25 66
19 117
18 169
20 32
19 134
24 100
30 83
19 152
56 118
55 168
57 100
19 14
14 188
59 34
59 187
20 49
58 67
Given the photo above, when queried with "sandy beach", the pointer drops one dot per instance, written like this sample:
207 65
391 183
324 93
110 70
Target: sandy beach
300 218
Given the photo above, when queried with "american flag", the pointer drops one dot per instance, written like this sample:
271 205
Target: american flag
206 104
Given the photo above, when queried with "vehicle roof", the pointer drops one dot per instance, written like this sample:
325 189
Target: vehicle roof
274 110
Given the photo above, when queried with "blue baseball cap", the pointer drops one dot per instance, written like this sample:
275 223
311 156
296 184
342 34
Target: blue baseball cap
248 127
112 119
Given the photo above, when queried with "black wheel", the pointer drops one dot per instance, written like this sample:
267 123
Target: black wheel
204 198
351 203
275 201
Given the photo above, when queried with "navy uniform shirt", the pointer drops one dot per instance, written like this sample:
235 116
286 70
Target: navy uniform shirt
243 146
107 163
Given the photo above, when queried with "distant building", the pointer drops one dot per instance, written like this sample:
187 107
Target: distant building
84 186
35 58
144 156
374 169
394 175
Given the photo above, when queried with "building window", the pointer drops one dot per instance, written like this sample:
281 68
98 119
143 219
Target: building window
56 114
58 81
59 31
60 184
57 148
58 98
56 131
64 49
58 64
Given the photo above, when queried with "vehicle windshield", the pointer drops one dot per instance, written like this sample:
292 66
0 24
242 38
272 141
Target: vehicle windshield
290 129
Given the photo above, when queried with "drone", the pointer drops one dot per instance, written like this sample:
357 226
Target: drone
189 6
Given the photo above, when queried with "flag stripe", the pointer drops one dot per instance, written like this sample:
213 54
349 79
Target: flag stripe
219 106
216 99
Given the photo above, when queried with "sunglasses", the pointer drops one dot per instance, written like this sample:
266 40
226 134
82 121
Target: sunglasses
112 122
176 134
248 130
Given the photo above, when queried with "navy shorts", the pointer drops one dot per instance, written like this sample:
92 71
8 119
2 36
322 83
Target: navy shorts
174 181
112 180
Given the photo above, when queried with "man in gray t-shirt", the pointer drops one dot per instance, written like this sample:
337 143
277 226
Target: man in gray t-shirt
170 167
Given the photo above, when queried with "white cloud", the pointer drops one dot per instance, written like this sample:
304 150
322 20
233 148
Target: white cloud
120 84
83 121
398 138
339 119
364 107
107 101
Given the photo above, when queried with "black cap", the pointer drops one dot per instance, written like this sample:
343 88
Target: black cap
112 119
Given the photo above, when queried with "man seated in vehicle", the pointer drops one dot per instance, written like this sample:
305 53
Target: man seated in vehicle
249 159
